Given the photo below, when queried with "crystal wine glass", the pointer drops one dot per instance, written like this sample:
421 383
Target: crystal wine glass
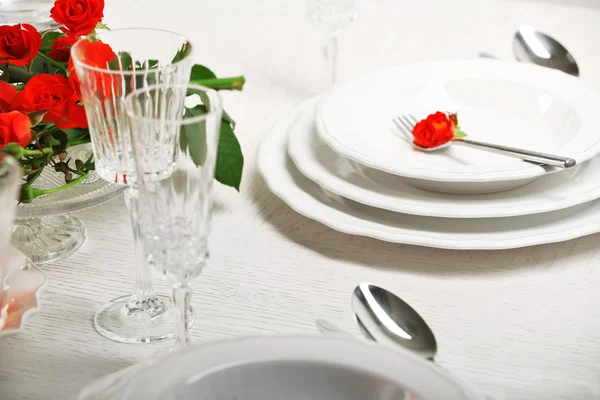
176 182
143 57
330 17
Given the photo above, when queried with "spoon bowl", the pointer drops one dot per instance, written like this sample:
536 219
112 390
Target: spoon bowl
389 320
538 48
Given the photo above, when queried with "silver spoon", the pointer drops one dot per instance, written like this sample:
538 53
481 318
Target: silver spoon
389 320
538 48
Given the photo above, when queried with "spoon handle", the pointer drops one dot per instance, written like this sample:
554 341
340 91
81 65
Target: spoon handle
533 156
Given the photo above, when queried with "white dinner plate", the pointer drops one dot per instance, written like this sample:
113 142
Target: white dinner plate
312 201
514 104
285 368
331 170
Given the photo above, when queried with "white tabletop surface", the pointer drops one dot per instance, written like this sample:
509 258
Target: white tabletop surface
521 324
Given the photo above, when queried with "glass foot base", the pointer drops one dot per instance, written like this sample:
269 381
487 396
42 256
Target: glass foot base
147 321
48 239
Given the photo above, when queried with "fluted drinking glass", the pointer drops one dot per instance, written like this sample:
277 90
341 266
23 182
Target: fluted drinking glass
176 183
143 57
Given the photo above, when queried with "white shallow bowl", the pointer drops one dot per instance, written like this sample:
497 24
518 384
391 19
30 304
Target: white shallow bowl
286 368
352 180
514 104
315 202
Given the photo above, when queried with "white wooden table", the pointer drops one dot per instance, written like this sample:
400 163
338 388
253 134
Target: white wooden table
521 324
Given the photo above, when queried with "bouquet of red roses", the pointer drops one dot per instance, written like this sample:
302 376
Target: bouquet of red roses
41 109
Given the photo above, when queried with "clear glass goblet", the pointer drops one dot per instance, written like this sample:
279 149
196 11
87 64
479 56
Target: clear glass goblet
331 17
176 182
143 57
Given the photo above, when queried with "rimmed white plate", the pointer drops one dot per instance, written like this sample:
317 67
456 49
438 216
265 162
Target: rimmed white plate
312 201
352 180
280 367
514 104
25 282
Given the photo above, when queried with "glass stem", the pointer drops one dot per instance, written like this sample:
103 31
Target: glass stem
143 286
330 50
182 298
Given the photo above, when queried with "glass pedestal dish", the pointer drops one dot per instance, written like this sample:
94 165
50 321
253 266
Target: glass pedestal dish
44 229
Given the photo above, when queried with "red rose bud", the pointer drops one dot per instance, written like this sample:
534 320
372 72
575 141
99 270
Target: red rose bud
435 130
79 17
61 48
14 128
7 94
19 44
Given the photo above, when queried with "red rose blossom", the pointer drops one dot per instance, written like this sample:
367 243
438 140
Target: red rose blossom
436 130
53 94
19 44
94 54
61 48
79 17
7 94
14 127
98 55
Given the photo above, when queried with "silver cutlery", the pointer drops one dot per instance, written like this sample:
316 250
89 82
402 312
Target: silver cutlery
387 319
538 48
530 45
407 122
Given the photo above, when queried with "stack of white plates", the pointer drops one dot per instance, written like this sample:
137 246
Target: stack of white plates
340 160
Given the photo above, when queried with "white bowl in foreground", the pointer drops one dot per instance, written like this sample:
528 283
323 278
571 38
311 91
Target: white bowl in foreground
287 368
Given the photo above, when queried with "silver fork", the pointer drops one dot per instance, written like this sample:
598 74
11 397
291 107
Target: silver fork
407 122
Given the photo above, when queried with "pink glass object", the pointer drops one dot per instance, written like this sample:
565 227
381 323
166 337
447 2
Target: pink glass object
9 185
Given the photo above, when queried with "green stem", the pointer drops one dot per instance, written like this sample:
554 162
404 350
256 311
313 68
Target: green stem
20 86
45 150
51 61
234 83
39 192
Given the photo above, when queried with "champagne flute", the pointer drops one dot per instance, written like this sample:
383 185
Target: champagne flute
176 182
330 17
143 57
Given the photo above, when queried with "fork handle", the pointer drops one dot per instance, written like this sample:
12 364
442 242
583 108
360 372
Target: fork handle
533 156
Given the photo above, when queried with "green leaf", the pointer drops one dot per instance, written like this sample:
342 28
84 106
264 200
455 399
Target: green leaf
49 38
126 60
100 25
183 52
18 74
61 138
193 136
230 160
227 118
36 117
201 72
76 134
42 66
459 134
